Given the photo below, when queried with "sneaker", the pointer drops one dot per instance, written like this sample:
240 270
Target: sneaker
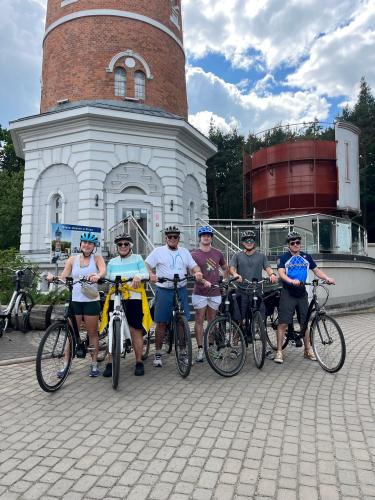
94 372
108 370
309 354
139 369
157 360
269 354
278 357
61 372
200 356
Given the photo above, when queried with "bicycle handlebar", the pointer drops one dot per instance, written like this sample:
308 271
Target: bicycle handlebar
175 279
120 280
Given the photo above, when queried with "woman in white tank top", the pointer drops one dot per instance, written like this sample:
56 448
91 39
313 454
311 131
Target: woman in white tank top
87 308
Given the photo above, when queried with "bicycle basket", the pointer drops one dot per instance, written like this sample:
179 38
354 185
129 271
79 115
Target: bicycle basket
26 278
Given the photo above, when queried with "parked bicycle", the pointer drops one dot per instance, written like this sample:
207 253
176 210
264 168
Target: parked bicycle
119 338
178 331
253 325
224 342
60 344
326 336
20 303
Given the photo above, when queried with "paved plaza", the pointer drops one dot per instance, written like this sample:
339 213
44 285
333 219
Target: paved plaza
285 432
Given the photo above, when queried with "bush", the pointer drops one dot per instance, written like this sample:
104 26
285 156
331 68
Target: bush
55 297
11 259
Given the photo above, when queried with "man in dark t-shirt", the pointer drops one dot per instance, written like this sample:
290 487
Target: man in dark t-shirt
206 300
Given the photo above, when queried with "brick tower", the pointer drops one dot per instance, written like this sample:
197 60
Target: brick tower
114 49
112 137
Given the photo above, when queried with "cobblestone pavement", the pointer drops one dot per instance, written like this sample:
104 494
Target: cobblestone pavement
285 432
16 344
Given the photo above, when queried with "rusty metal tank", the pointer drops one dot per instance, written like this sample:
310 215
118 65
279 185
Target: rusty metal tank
298 177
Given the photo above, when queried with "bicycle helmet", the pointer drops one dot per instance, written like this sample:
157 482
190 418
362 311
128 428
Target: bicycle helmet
293 235
248 236
90 238
205 230
172 230
123 237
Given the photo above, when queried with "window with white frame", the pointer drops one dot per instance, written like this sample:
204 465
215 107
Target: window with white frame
175 13
56 209
120 82
140 85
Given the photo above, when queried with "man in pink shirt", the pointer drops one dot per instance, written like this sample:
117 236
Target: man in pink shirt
206 300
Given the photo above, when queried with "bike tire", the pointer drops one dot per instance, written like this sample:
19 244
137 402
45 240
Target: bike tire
326 336
55 347
224 346
22 314
146 345
271 324
259 339
116 352
2 327
182 346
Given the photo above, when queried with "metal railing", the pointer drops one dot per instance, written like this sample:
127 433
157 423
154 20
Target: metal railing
142 243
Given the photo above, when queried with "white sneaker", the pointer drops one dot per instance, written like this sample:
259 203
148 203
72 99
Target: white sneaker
157 360
200 356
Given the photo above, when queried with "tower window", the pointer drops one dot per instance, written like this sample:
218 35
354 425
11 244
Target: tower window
175 11
120 82
139 81
56 209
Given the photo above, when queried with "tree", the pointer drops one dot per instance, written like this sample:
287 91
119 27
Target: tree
11 190
224 175
363 115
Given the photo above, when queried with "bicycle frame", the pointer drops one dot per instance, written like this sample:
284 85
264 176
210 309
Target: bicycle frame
119 311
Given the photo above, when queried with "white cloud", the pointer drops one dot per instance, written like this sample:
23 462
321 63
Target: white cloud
338 60
250 112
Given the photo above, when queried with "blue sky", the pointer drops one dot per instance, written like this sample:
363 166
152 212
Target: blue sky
250 63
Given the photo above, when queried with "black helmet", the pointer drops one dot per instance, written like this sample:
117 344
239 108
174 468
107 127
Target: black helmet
293 235
248 236
172 230
123 236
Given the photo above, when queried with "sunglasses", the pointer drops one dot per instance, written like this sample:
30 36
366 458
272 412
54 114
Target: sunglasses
173 236
123 244
248 241
297 242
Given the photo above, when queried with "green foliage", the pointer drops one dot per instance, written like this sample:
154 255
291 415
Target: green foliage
10 259
224 175
11 190
59 296
362 114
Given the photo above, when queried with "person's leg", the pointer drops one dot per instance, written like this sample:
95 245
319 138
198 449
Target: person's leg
303 306
159 335
137 341
286 311
200 315
91 323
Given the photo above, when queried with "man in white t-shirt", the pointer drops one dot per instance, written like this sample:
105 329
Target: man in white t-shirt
165 262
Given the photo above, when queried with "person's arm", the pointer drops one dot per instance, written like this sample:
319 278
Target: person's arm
197 273
100 264
67 271
284 277
233 268
320 274
151 272
142 274
272 276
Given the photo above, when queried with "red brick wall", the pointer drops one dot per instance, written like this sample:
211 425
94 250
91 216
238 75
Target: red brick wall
77 53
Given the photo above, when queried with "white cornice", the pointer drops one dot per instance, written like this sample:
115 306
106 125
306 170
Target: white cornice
115 13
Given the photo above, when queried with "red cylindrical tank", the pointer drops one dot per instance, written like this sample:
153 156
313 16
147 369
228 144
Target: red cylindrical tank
295 178
86 40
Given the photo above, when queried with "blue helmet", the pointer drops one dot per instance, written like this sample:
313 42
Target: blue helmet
205 230
89 237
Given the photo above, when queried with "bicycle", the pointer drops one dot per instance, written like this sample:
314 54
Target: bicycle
253 326
224 343
60 344
178 331
325 332
21 302
118 331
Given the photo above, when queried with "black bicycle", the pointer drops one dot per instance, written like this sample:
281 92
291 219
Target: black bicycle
326 336
224 343
59 345
20 303
178 331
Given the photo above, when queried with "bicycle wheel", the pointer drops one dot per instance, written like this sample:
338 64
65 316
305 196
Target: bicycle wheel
168 339
2 327
182 346
24 304
259 339
224 346
54 356
271 324
328 343
146 345
116 352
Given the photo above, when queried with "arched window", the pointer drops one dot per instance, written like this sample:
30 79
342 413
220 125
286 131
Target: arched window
120 82
140 84
56 209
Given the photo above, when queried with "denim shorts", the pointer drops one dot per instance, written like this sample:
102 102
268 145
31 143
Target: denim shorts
164 304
